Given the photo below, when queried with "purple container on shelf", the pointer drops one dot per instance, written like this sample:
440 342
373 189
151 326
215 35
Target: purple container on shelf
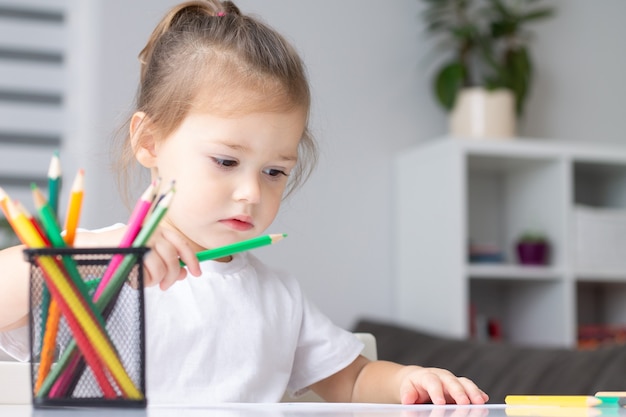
533 253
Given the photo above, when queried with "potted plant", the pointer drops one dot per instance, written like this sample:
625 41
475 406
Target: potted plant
532 248
487 57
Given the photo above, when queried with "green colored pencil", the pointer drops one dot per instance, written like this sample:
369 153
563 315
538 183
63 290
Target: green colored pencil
242 246
53 232
54 188
116 282
54 182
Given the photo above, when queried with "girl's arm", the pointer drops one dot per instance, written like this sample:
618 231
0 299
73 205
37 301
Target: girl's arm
13 288
14 277
388 382
162 268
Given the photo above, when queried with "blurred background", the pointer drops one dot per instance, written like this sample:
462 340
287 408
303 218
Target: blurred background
69 71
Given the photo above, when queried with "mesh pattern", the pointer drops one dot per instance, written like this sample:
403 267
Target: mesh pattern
123 315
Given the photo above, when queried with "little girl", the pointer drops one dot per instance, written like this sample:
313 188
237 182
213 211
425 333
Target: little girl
222 109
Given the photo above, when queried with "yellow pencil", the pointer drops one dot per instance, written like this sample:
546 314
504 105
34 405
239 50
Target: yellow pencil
92 330
555 400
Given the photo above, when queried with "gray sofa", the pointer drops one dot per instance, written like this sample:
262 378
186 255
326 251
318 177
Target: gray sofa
501 369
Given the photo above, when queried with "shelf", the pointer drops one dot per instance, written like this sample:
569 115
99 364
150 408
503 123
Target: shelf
513 272
454 194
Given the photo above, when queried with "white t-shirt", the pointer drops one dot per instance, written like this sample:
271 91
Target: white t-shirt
241 332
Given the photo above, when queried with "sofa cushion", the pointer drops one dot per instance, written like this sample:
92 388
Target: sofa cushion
501 369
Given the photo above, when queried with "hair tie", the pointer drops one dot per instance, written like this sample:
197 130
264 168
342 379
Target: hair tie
221 14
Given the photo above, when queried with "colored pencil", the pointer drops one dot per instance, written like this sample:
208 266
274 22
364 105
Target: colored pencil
50 272
135 222
244 245
51 327
62 374
53 232
54 182
74 207
560 400
612 400
3 202
45 294
93 329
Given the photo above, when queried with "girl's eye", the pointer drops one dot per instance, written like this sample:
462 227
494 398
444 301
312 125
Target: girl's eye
272 172
226 163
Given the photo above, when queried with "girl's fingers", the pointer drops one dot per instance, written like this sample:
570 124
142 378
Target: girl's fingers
162 263
154 269
169 256
184 253
475 394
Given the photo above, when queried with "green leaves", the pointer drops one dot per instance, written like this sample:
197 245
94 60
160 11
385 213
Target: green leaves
487 44
448 82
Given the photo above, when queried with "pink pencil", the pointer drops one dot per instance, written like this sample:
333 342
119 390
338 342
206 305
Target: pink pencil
134 225
135 221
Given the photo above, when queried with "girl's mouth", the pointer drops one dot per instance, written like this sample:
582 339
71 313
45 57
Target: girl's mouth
238 224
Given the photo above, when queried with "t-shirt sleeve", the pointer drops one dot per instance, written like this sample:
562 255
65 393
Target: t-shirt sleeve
323 350
16 343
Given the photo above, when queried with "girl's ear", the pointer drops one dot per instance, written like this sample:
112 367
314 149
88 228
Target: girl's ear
143 139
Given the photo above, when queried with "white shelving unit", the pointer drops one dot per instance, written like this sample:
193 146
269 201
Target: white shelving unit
452 191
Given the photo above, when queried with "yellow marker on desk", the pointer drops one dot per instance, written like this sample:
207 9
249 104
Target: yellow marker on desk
563 400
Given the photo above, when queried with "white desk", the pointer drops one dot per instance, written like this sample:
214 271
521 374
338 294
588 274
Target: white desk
315 410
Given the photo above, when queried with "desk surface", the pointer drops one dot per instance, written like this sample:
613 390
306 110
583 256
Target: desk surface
316 410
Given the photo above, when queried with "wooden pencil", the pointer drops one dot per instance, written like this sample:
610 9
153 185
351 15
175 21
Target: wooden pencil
554 400
62 373
242 246
90 317
50 271
74 207
54 182
135 223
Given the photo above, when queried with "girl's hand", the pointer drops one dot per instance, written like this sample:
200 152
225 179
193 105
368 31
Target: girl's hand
439 386
161 263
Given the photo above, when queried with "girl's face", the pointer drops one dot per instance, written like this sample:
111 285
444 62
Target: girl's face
230 173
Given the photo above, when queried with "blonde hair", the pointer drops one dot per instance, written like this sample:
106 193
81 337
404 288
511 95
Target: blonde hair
245 64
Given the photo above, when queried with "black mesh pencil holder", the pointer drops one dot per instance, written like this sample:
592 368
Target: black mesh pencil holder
87 336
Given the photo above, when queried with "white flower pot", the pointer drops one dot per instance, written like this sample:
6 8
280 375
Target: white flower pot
482 114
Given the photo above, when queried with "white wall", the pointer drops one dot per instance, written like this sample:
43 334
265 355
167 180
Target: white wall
370 69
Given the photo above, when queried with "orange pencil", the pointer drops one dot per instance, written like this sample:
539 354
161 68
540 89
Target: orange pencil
49 343
54 312
31 238
65 295
74 207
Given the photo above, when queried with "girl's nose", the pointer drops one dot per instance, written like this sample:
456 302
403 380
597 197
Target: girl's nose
248 189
